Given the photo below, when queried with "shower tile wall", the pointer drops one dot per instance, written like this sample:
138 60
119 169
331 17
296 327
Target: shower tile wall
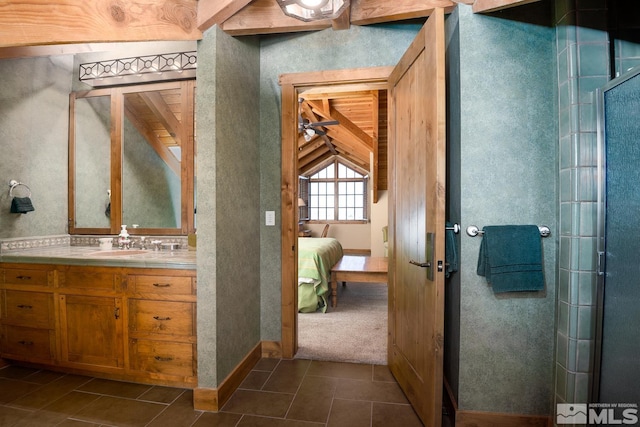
583 66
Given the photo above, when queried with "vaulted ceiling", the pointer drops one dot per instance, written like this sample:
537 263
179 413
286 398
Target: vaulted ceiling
39 28
61 24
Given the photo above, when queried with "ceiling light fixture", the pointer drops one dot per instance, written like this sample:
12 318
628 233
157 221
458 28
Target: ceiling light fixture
313 10
309 134
140 69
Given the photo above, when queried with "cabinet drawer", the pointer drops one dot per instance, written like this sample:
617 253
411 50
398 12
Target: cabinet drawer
34 309
162 317
162 357
90 278
168 285
27 276
26 343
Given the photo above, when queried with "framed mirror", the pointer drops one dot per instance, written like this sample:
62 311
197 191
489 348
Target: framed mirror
131 159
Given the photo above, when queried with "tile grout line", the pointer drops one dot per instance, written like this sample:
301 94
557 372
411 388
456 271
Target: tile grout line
306 371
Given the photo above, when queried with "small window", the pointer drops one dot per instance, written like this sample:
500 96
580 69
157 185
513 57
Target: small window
335 193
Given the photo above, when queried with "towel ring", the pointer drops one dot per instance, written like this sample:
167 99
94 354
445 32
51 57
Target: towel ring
13 184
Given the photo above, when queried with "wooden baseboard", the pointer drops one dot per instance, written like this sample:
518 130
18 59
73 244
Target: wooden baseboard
490 419
212 399
272 349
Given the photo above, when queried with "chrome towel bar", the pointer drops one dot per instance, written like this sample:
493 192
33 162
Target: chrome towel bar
455 228
473 231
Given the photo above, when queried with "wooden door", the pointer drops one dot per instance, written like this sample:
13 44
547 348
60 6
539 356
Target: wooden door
91 330
416 220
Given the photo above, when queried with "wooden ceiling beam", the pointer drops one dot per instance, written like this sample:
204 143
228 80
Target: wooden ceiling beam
365 12
152 138
156 104
347 137
342 91
355 161
38 22
346 142
311 162
52 50
351 128
484 6
306 148
342 22
211 12
266 17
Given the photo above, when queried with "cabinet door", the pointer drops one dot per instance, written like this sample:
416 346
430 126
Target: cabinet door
91 330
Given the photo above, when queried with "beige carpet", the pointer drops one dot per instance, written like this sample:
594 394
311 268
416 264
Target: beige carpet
354 331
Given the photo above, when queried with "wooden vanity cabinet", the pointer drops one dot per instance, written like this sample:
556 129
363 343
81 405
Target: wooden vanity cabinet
162 325
123 323
27 314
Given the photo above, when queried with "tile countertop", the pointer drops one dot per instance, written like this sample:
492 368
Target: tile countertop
92 255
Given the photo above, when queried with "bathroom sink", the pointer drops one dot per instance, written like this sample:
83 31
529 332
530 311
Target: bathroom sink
119 252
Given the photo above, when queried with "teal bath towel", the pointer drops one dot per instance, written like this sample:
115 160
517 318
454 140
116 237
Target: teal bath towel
511 258
450 250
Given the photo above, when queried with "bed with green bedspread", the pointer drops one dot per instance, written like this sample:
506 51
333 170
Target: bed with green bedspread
316 257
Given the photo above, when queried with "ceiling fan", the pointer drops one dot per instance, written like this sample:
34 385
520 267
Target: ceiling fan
309 129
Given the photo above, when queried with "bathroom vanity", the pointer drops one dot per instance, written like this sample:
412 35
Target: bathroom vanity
117 314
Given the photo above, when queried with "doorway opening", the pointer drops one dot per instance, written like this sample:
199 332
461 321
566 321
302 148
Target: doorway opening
313 86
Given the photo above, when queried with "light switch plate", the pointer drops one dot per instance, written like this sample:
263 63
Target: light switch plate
270 218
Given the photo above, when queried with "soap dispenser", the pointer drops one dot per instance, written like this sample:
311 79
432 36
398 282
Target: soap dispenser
123 237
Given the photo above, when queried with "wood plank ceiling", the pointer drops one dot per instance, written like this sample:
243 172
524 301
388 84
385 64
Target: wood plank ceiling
158 117
41 28
360 137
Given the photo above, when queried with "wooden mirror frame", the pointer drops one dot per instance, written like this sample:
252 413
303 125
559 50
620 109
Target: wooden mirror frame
187 164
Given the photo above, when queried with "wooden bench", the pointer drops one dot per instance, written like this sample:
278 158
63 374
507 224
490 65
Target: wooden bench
356 268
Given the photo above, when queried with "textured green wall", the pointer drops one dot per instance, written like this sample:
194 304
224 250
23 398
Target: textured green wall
228 194
508 176
34 127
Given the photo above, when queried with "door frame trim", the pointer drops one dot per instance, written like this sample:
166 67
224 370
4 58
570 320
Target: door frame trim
291 84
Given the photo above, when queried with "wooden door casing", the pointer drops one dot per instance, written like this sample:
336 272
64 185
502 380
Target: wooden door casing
416 209
291 85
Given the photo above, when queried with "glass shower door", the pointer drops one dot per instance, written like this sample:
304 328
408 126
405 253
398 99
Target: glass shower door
616 367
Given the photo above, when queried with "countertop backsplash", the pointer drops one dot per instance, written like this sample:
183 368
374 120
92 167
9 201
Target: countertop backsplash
22 243
37 242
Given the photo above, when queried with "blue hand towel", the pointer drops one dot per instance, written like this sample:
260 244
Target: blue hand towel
511 258
21 205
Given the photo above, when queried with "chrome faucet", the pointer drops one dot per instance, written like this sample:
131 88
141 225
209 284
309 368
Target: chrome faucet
124 242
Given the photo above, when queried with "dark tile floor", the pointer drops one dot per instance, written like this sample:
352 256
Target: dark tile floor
277 392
